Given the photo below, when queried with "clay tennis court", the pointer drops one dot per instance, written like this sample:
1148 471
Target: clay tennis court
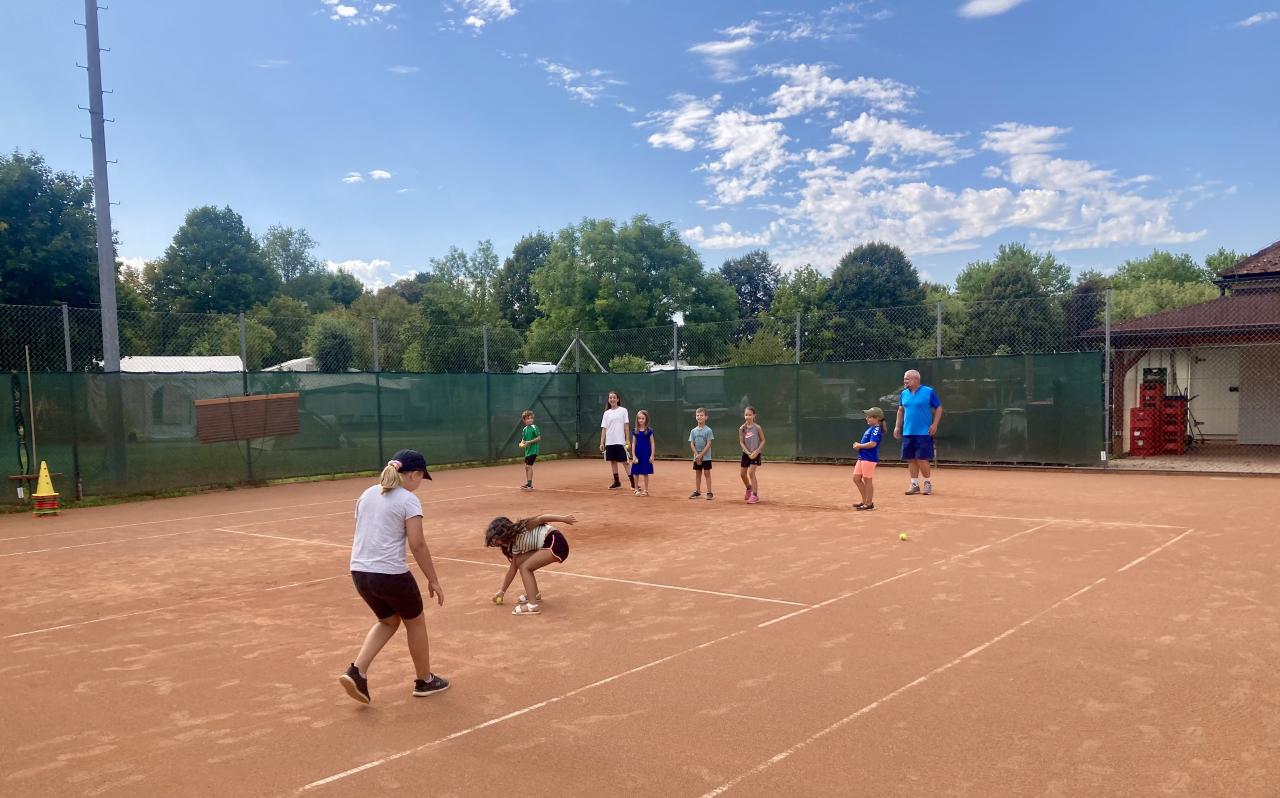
1040 634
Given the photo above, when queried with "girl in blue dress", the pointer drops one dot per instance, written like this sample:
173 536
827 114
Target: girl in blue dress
642 453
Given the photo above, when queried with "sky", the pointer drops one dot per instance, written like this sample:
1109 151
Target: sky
1094 129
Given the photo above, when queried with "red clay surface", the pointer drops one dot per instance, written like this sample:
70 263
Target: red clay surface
1040 634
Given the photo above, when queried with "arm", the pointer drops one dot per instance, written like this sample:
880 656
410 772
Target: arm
706 448
759 448
508 577
602 438
547 518
937 416
897 425
626 434
418 545
742 441
653 446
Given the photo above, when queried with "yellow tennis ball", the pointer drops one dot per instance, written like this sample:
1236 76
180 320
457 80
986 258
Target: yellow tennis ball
903 536
498 599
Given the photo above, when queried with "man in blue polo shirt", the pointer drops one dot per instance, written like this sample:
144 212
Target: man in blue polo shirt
919 411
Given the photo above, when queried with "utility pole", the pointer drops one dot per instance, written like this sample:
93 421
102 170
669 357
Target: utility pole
101 194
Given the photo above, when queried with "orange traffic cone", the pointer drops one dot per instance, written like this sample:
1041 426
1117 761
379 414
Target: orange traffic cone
45 497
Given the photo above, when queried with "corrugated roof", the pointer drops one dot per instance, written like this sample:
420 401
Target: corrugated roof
1245 311
1263 262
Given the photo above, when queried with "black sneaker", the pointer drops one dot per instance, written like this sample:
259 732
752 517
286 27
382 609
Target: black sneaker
710 495
422 687
615 485
695 495
356 685
864 507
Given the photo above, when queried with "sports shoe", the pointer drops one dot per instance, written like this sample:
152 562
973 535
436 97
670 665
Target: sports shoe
695 495
425 687
710 495
526 486
754 499
746 497
928 488
527 609
871 506
913 490
356 685
615 486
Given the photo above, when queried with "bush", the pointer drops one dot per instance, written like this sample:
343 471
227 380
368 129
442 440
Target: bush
625 363
334 343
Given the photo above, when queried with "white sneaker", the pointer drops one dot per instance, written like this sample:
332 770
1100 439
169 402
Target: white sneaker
928 488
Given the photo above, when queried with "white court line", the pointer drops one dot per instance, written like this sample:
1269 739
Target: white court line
172 607
915 512
99 543
776 758
532 707
199 517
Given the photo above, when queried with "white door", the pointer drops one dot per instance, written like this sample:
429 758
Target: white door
1215 383
1260 394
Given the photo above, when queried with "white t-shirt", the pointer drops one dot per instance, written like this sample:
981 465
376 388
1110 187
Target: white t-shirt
380 540
614 426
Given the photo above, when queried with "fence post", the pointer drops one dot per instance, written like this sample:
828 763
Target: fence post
1106 380
377 365
484 332
577 351
937 326
377 398
244 371
797 337
66 334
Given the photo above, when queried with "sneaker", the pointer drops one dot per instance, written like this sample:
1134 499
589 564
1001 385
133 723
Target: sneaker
615 486
425 687
928 488
859 506
695 495
754 499
526 487
913 490
871 506
527 609
710 495
746 497
356 685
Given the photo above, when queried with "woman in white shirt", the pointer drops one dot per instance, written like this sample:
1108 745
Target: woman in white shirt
615 431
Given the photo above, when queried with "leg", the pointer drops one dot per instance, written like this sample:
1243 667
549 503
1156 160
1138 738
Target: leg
697 477
869 491
921 465
708 480
528 565
913 467
745 481
754 484
378 636
860 484
419 647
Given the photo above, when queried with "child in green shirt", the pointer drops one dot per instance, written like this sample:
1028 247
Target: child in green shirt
529 442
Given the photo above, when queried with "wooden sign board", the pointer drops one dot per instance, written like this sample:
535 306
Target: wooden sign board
242 418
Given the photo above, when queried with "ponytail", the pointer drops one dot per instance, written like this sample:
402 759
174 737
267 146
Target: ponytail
390 478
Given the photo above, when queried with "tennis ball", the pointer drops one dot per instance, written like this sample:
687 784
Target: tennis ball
903 536
498 599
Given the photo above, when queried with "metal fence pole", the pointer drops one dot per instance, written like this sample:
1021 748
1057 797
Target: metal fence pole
244 346
1106 380
66 334
937 326
377 366
484 332
797 337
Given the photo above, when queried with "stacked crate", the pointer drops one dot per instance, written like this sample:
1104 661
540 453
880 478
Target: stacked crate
1158 425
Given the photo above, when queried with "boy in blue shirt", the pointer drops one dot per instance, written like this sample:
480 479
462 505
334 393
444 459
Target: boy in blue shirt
868 458
919 411
700 438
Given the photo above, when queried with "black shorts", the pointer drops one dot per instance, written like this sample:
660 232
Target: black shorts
530 459
558 544
389 594
615 453
705 465
750 461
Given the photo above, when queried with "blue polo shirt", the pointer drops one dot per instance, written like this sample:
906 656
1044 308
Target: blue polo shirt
917 410
872 453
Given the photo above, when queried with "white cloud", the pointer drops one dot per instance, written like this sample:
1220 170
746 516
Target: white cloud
631 109
380 174
383 8
681 123
404 70
807 87
1012 138
893 138
585 87
988 8
133 264
720 55
1260 18
374 273
480 13
724 237
406 191
832 153
752 150
344 12
271 63
359 13
353 177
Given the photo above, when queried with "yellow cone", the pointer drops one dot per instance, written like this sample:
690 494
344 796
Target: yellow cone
44 487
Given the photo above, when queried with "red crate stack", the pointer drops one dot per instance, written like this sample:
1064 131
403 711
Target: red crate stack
1158 425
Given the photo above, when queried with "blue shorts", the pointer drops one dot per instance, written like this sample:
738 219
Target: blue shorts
917 447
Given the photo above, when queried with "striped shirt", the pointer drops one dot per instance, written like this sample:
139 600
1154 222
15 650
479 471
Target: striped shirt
529 540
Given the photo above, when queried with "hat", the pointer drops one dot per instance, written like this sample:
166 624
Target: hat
873 411
409 460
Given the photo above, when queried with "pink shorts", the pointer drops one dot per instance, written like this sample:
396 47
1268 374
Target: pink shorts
865 469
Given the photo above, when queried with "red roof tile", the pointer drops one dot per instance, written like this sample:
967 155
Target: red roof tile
1266 261
1258 310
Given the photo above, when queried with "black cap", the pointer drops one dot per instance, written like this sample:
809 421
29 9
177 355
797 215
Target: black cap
410 460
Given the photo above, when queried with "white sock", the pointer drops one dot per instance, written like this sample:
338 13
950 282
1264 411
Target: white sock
915 483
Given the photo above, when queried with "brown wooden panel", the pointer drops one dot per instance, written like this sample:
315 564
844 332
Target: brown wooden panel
240 418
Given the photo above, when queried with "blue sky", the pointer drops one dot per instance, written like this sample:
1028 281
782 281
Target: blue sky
1097 130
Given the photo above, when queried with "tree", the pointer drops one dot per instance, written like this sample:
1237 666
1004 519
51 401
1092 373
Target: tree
481 272
1049 275
875 275
288 251
1223 259
222 337
48 244
1154 296
766 347
1160 265
620 364
343 287
1085 305
396 322
754 279
804 292
513 286
1018 317
336 342
290 320
213 265
410 288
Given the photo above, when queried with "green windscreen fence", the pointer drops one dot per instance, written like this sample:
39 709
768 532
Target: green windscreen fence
136 433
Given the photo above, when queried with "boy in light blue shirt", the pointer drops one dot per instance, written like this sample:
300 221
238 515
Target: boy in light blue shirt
700 438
